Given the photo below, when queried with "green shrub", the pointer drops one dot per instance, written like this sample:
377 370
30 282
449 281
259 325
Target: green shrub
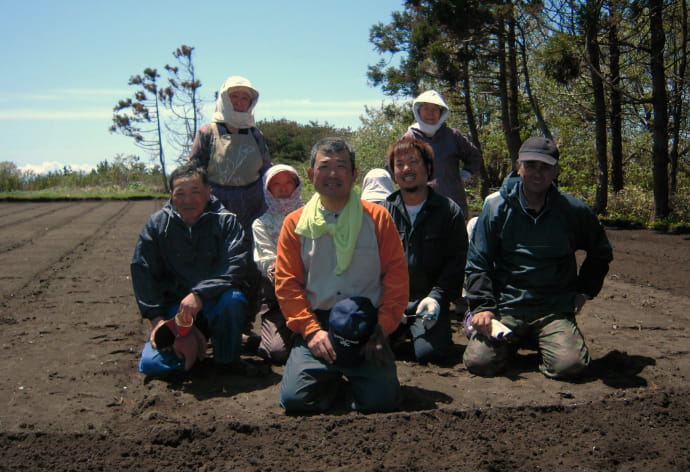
10 177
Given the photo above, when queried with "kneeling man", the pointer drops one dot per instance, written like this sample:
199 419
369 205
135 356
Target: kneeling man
339 247
190 264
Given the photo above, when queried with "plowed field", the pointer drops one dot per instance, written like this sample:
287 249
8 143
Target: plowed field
70 335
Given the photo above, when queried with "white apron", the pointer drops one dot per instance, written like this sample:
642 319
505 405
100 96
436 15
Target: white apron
235 160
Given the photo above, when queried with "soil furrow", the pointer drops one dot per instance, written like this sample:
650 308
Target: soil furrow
29 213
49 253
27 231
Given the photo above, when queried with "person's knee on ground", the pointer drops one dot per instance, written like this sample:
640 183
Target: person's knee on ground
425 351
569 365
310 397
276 337
276 354
563 350
374 386
482 359
155 363
483 367
435 343
386 397
226 318
308 384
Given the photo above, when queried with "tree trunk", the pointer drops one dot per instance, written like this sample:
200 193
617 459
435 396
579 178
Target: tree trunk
513 80
472 125
660 122
592 30
161 157
616 100
678 116
508 85
532 99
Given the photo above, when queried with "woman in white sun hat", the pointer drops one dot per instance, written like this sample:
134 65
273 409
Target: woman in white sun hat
456 159
234 152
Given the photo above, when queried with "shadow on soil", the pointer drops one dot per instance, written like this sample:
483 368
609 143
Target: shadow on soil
620 370
616 369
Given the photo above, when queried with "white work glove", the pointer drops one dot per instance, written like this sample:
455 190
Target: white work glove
428 309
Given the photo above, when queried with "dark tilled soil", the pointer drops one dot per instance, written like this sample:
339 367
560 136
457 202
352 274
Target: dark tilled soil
71 335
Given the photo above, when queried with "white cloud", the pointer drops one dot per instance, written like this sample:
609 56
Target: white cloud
82 167
98 92
311 104
67 94
346 112
84 114
52 166
65 104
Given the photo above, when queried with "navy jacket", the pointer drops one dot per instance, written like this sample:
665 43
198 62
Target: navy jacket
171 259
525 265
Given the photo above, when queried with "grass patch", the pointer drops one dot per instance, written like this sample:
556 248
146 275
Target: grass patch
96 193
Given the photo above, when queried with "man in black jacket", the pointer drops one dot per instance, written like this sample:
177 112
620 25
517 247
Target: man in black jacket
191 260
433 234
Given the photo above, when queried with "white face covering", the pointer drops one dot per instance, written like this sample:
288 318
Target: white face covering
426 128
282 206
237 119
434 98
225 113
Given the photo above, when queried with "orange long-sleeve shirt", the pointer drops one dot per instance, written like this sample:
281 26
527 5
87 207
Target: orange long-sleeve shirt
296 256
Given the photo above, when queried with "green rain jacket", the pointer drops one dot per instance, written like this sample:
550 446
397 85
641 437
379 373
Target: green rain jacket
525 266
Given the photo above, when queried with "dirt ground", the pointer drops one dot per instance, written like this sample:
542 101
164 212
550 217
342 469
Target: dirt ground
70 335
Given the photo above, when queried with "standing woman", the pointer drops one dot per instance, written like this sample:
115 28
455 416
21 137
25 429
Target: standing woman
456 159
234 152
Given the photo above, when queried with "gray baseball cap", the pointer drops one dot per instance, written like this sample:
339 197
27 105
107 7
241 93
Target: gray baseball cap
541 149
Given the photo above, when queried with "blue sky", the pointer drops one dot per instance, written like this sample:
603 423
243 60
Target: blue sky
66 64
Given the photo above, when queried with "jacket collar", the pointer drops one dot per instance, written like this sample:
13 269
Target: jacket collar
512 189
213 206
431 198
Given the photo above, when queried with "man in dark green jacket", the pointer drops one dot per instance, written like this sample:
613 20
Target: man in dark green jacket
521 268
433 234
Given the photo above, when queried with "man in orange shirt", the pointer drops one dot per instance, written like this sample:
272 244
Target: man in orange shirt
336 248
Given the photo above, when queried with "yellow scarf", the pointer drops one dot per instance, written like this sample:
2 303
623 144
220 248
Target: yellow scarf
345 231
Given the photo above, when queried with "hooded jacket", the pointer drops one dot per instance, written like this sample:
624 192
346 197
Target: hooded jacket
266 228
377 185
172 259
525 265
453 152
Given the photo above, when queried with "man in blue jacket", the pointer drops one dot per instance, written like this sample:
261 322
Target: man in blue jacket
521 268
191 259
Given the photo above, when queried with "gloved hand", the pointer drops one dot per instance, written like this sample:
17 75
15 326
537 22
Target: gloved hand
429 309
